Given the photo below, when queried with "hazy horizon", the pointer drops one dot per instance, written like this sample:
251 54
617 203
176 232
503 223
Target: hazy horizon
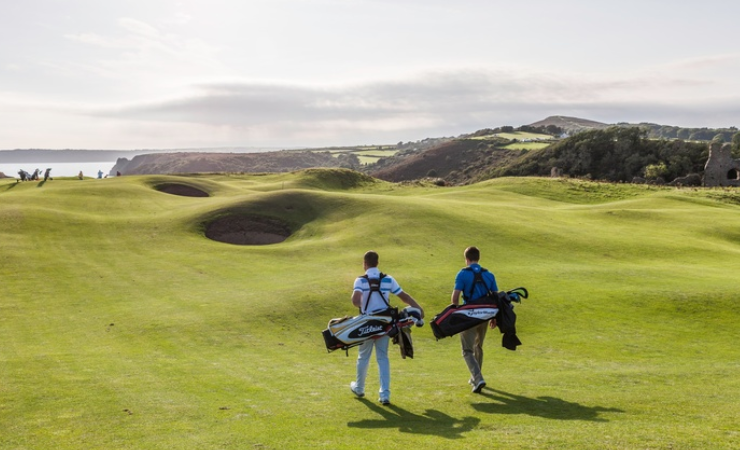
287 73
59 169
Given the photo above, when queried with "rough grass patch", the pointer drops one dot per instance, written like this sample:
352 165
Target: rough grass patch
335 179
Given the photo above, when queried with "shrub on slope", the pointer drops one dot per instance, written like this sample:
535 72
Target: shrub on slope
613 154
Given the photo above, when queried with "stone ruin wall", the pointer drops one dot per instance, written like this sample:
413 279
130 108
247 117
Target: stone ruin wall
721 169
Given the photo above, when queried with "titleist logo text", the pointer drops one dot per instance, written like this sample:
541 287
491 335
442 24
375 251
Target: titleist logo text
369 329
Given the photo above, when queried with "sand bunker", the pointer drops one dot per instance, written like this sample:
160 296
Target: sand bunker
181 189
247 230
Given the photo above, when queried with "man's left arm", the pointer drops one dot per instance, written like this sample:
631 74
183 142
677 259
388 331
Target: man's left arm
494 285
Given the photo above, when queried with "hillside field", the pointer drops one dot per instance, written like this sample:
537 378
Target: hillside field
519 135
123 327
526 145
366 155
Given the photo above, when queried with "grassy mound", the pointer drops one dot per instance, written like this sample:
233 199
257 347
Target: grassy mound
123 326
334 179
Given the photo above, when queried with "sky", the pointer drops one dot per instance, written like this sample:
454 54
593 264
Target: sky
161 74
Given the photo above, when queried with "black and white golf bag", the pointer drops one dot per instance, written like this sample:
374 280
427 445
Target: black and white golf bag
347 332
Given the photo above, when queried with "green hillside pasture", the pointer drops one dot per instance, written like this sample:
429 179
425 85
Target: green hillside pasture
367 155
372 156
122 326
526 145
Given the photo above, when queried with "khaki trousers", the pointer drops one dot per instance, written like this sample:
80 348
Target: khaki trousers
472 350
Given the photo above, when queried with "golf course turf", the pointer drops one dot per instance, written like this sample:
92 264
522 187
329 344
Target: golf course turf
124 326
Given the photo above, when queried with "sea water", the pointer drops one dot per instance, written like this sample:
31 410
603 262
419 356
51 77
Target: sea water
88 169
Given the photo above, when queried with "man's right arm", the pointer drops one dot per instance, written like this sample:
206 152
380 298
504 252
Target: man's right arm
457 290
456 297
409 300
357 298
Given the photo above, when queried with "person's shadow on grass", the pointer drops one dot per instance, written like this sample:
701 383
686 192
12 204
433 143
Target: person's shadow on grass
431 422
547 407
10 186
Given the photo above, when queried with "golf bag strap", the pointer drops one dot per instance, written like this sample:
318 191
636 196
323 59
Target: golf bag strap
477 278
374 289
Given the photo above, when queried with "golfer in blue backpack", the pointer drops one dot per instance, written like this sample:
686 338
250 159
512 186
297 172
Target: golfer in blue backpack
474 282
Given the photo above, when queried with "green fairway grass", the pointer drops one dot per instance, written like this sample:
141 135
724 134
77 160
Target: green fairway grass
123 327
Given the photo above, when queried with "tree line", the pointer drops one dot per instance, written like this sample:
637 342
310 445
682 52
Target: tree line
613 154
655 131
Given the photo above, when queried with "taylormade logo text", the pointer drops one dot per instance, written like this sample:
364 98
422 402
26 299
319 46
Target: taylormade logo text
487 313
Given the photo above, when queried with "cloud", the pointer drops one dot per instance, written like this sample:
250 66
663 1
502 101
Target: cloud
708 62
137 34
180 18
140 52
433 104
444 95
138 27
97 40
